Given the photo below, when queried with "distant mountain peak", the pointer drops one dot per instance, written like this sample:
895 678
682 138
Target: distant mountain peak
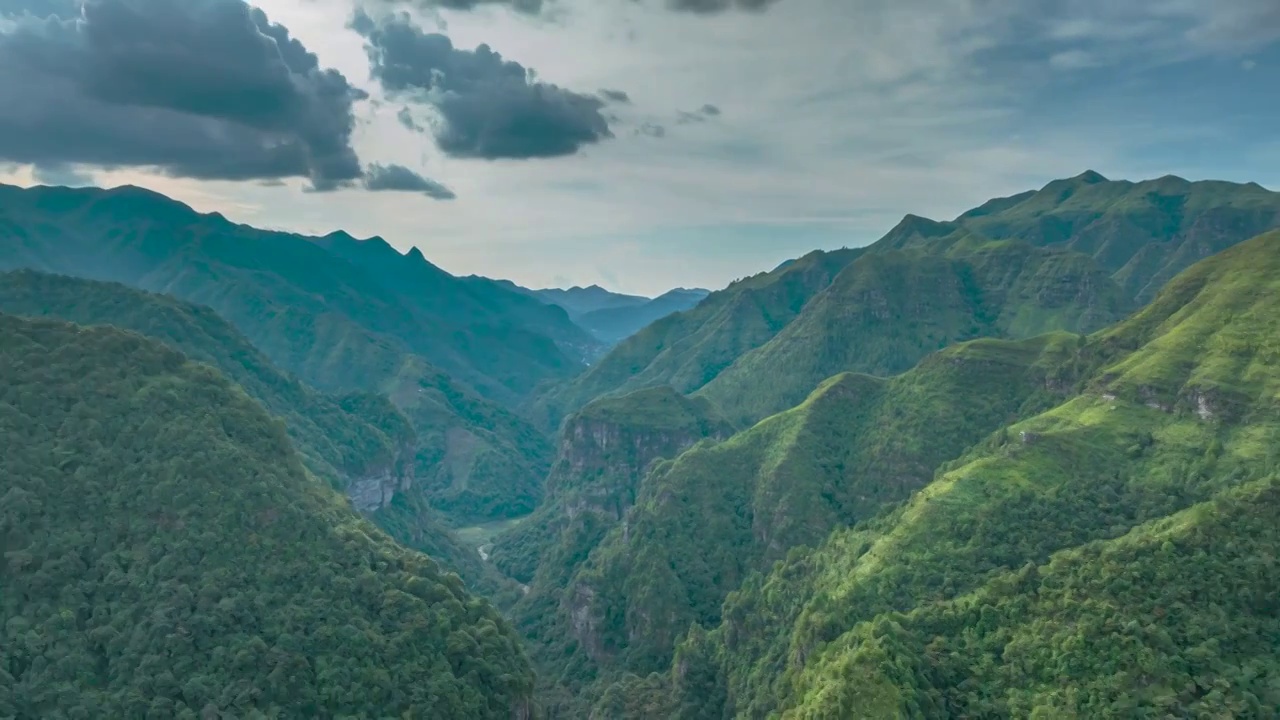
1090 177
914 226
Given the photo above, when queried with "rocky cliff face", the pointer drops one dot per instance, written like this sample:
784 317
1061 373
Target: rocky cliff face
375 487
604 453
601 461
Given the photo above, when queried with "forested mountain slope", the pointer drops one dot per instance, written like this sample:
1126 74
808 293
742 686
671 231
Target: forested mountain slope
360 443
165 554
365 325
688 349
605 449
1087 559
1081 253
719 511
456 454
889 308
339 313
1142 232
342 447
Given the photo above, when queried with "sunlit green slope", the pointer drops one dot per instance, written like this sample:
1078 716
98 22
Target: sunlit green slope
1177 406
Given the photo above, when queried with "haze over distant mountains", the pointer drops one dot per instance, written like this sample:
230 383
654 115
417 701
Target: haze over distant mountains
612 317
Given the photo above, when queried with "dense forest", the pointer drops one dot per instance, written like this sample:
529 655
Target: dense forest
1023 463
166 554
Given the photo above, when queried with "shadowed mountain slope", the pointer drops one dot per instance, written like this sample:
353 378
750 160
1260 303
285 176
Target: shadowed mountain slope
167 555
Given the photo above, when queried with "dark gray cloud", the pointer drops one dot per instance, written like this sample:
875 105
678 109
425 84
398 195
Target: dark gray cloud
708 7
400 178
40 8
652 129
489 107
199 88
617 96
64 175
702 114
529 7
533 7
406 118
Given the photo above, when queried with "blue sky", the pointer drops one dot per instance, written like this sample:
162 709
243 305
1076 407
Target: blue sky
835 119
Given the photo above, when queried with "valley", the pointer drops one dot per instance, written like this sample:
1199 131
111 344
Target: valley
1020 463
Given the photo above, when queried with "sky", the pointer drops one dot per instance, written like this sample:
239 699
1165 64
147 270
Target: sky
636 144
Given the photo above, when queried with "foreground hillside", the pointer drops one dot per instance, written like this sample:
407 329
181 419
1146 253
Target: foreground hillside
166 555
360 443
707 517
1075 255
795 549
1107 557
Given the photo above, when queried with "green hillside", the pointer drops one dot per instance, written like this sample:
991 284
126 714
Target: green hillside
890 308
359 443
358 317
167 555
337 445
339 313
686 350
476 461
605 450
1178 406
1144 232
707 519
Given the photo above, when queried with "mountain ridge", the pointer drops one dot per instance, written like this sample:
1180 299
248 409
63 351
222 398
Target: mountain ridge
1140 233
269 284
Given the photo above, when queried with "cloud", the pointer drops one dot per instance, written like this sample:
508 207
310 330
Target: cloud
617 96
652 129
399 178
707 7
534 7
529 7
405 117
64 175
489 107
41 8
207 89
1072 60
702 114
